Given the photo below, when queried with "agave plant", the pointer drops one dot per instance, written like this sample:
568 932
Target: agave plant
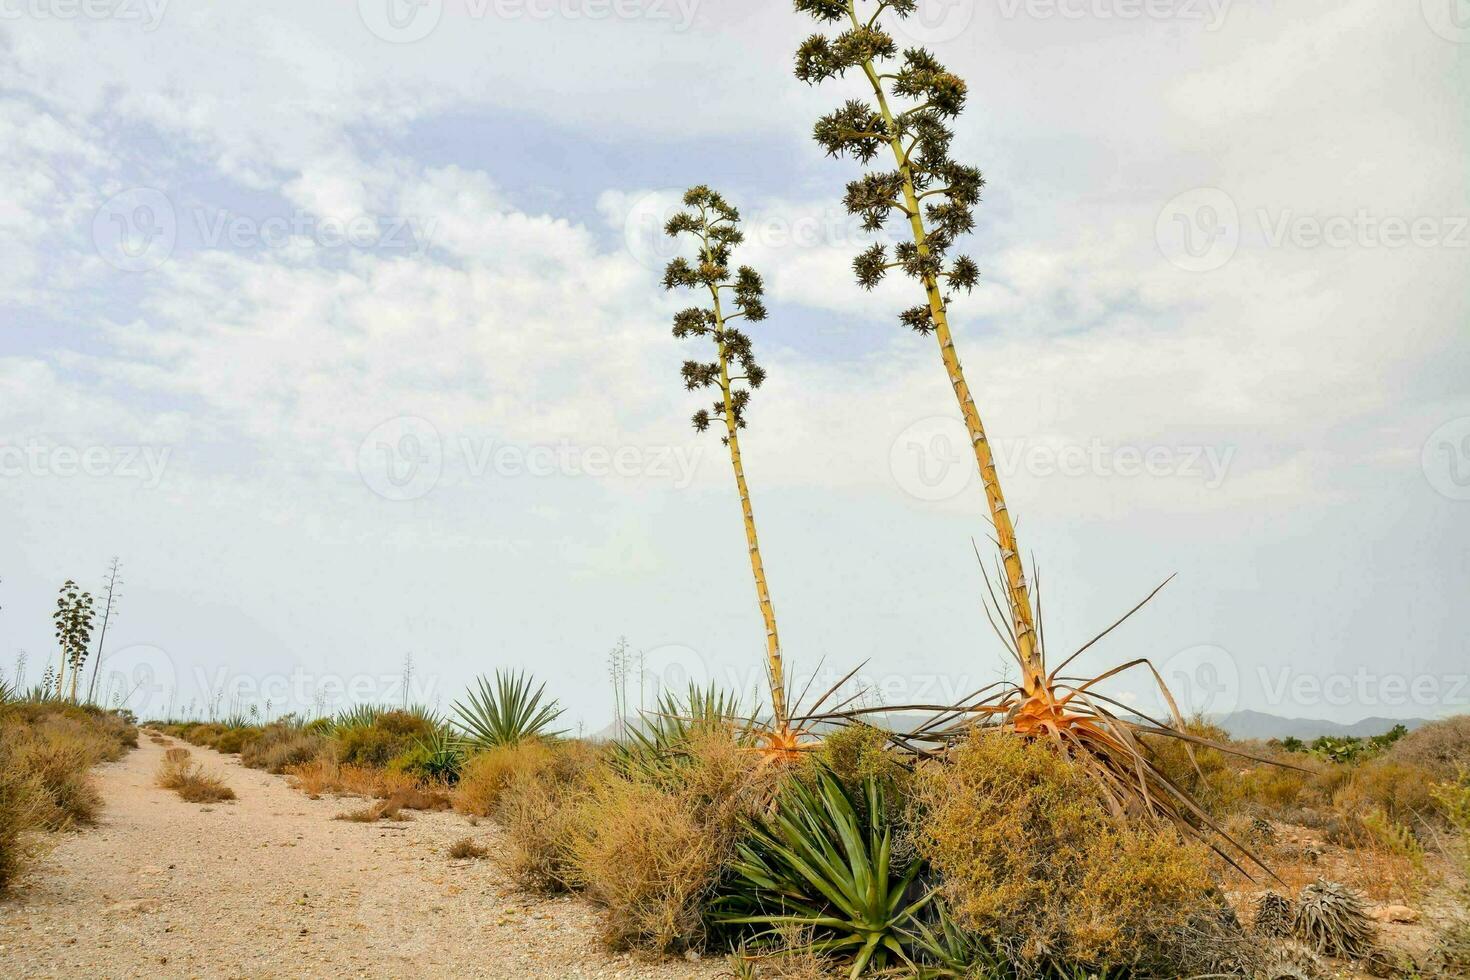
440 755
661 739
508 712
7 693
357 716
1334 920
822 864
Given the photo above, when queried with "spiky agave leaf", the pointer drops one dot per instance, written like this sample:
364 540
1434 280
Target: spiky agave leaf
824 863
506 713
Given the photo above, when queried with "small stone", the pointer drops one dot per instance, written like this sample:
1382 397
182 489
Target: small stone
691 955
1400 914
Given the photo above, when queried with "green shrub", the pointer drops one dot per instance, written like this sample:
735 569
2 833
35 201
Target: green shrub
390 735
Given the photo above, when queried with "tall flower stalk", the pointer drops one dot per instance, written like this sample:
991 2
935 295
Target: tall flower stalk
914 98
733 374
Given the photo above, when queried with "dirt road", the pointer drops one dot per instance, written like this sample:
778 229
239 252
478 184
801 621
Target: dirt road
272 886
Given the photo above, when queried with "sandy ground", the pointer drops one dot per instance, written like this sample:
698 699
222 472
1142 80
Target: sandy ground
272 886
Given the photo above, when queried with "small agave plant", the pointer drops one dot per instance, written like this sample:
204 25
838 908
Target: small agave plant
506 712
1333 919
823 865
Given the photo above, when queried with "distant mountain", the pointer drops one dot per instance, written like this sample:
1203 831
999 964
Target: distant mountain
1258 724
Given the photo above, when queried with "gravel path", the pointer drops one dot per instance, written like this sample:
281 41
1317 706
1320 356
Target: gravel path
272 886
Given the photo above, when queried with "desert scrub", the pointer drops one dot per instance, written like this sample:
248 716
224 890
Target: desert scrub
858 752
486 775
56 750
1400 789
649 848
1442 747
178 772
281 745
390 734
1030 860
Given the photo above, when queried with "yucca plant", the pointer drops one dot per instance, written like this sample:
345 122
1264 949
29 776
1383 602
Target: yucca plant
507 712
733 374
822 863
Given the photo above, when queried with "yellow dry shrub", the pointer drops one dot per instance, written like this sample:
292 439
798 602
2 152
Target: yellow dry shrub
648 845
486 774
1403 791
647 858
1031 860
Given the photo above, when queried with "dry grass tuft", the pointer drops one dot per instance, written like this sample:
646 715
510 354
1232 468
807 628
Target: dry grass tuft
487 774
465 849
179 773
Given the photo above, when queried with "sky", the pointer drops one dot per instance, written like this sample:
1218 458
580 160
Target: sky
341 324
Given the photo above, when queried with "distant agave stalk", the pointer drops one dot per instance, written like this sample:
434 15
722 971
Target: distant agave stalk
936 196
733 373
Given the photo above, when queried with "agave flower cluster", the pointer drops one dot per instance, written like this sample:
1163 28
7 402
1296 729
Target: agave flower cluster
935 193
716 227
